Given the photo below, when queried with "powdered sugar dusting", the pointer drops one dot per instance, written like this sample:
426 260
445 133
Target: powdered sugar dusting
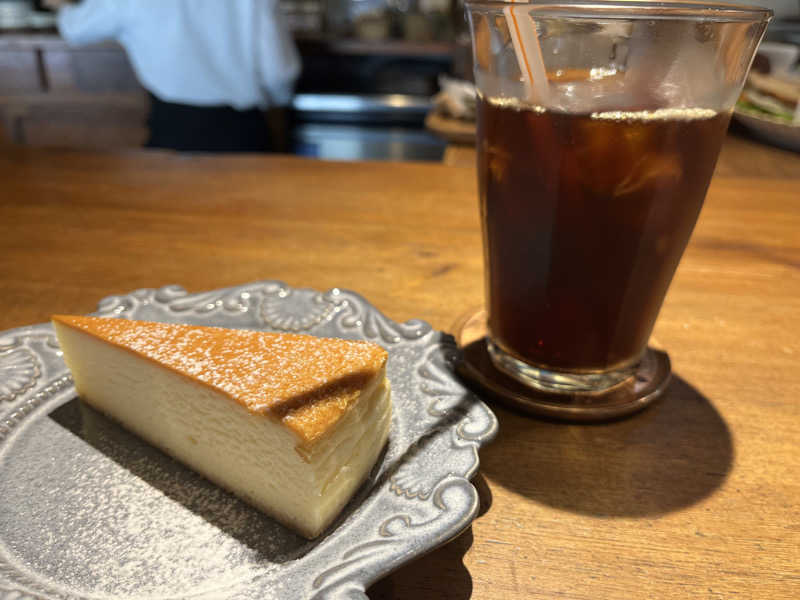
131 522
306 381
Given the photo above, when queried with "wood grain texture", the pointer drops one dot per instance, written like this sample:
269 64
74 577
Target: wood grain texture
697 497
18 72
86 125
53 95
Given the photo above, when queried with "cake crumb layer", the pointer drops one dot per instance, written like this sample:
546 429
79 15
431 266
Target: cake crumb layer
305 382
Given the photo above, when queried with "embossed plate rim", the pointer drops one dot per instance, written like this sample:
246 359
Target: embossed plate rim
358 550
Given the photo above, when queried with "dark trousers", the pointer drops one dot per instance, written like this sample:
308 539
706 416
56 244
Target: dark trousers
206 128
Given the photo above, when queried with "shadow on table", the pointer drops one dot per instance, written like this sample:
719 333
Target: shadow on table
440 574
670 456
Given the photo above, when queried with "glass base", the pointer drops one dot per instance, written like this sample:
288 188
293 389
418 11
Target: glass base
556 381
554 395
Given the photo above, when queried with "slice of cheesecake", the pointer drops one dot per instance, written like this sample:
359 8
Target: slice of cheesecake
290 423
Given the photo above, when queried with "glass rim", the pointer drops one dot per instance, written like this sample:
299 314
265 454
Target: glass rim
681 10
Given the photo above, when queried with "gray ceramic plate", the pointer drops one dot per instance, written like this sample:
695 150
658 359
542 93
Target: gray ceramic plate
89 511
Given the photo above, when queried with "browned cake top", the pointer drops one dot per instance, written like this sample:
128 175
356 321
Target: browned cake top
305 382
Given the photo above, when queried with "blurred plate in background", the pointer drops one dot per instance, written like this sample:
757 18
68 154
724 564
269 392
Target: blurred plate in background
771 130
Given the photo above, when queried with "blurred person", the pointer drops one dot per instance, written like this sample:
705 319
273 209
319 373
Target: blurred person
212 67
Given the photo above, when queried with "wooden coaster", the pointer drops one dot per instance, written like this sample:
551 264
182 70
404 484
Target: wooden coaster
630 396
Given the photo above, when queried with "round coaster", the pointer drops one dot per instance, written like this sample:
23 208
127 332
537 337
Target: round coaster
625 398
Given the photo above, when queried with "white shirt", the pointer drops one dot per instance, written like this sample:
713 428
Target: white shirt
200 52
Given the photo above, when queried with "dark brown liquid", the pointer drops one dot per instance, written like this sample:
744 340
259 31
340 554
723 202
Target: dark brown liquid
585 220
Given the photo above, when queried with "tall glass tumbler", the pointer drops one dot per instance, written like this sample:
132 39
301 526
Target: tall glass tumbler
599 125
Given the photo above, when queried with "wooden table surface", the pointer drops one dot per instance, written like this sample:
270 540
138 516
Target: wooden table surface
697 497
